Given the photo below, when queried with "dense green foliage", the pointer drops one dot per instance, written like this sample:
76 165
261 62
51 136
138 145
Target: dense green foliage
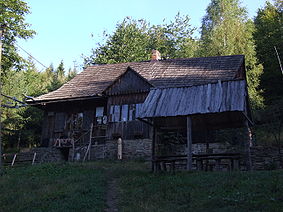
83 187
22 126
12 14
53 187
226 30
269 34
133 41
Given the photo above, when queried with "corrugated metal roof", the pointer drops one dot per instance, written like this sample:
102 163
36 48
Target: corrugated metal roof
163 73
201 99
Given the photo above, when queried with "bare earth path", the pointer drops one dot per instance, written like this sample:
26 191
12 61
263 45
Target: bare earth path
112 195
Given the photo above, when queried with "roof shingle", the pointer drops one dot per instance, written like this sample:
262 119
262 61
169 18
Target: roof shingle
163 73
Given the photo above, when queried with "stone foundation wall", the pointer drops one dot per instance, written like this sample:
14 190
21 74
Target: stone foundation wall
266 158
131 149
197 148
48 154
141 149
263 158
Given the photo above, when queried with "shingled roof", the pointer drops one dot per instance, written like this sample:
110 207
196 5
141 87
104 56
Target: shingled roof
160 73
201 99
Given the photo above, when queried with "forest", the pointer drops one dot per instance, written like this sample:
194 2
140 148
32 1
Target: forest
225 30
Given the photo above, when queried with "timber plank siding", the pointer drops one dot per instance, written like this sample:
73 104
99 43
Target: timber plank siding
129 82
128 130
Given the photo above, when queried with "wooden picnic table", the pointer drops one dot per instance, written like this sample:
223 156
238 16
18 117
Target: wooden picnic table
203 161
208 161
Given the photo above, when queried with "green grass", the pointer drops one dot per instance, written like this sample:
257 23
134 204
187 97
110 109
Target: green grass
239 191
53 187
83 187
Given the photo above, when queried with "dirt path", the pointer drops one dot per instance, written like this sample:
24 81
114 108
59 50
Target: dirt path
111 196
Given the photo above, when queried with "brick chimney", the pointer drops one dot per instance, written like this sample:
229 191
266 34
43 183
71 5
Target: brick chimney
155 55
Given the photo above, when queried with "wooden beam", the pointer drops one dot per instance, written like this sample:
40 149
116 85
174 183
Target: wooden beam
154 137
246 116
147 122
248 145
189 143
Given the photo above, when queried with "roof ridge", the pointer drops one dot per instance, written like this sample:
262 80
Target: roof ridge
177 72
154 61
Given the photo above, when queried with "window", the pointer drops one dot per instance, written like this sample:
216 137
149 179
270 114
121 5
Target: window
124 112
60 119
99 111
99 115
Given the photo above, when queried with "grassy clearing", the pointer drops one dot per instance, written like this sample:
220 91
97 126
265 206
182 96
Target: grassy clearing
200 191
53 187
82 187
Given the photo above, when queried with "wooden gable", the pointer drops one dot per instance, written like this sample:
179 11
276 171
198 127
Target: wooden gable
127 83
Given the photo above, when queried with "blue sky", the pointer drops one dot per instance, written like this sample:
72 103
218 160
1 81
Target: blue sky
64 27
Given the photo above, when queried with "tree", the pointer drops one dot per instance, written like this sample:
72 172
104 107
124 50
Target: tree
269 34
71 74
58 76
12 14
55 78
133 41
173 40
128 43
226 31
16 84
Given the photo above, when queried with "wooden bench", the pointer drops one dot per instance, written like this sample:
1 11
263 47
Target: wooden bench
204 162
160 163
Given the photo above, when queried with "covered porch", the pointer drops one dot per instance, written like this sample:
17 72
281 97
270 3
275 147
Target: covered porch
195 115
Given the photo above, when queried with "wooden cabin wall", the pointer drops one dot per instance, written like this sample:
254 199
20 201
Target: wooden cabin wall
56 115
134 98
88 119
127 129
129 82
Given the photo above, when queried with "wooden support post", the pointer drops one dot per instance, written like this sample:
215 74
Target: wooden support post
14 159
120 149
248 145
235 164
73 145
189 143
217 165
90 137
154 137
199 164
33 159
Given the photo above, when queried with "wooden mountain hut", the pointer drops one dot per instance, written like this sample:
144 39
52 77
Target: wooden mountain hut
111 102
